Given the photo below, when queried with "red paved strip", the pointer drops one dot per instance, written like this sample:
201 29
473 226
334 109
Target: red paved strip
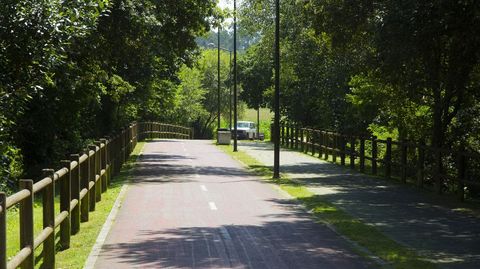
167 220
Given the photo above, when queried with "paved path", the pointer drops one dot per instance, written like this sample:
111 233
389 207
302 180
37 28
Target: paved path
192 206
440 232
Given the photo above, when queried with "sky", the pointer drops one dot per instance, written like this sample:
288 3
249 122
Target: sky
225 3
228 3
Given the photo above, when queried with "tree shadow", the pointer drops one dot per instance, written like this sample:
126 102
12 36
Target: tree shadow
275 244
430 224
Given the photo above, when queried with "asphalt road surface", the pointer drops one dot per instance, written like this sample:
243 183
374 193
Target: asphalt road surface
193 206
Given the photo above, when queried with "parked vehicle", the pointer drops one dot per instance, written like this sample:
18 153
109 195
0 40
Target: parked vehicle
246 130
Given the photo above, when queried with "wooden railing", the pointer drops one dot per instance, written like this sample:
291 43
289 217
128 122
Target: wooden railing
161 130
82 180
443 170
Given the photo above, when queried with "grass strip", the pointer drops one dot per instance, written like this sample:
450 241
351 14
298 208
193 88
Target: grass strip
81 243
367 236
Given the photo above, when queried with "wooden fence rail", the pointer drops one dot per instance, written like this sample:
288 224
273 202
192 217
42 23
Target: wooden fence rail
161 130
443 170
82 180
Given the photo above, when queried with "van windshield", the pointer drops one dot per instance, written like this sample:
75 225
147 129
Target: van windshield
243 125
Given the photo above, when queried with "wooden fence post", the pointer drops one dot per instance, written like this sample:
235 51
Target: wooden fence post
421 164
287 135
343 146
91 177
124 148
302 145
98 165
314 141
438 170
104 164
296 137
362 154
65 198
49 220
307 140
75 191
326 142
335 147
404 145
319 143
26 224
85 201
352 152
461 170
3 231
388 159
374 155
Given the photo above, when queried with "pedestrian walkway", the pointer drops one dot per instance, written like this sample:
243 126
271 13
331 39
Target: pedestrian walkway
441 233
192 206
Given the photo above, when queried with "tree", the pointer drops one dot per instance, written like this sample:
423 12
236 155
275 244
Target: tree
198 85
71 71
427 51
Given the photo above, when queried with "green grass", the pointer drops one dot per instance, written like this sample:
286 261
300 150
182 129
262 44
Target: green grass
251 115
82 242
367 236
265 119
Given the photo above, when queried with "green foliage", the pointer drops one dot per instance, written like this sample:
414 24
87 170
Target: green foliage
409 67
72 71
10 167
198 93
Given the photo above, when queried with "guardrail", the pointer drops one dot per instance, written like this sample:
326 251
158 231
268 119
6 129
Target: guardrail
444 170
82 180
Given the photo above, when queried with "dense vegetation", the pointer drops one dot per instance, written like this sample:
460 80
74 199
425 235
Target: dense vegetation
71 71
404 69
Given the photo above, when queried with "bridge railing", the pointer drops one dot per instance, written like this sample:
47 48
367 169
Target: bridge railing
439 169
161 130
82 180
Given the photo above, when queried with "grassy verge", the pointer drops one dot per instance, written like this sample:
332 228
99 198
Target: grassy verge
367 236
81 243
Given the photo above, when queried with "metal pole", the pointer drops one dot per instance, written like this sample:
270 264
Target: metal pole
230 74
218 78
258 123
235 76
276 157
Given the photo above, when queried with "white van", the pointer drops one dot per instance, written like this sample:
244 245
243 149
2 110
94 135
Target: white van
246 130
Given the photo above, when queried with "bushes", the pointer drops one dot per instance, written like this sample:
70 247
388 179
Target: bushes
10 167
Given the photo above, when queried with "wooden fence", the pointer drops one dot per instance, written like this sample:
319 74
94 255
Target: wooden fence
442 170
161 130
82 180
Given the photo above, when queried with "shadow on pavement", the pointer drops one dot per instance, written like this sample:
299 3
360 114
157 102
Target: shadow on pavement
276 244
436 229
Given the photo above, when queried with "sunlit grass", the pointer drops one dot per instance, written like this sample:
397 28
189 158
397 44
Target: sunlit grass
367 236
82 242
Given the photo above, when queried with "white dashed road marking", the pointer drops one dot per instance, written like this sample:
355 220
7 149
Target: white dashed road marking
212 206
203 188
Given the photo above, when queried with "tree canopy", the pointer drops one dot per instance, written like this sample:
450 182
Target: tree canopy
406 69
71 71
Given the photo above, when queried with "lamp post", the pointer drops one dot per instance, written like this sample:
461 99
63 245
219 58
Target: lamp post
230 77
276 124
235 76
230 99
218 78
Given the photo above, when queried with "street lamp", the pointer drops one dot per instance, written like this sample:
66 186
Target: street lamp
218 78
276 124
235 76
230 77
